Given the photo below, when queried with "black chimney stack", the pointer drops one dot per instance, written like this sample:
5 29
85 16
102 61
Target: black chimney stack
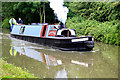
62 25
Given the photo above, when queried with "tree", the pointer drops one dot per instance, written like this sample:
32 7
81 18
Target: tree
7 9
100 11
40 8
30 10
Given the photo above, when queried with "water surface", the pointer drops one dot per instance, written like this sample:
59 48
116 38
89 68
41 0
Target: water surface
45 62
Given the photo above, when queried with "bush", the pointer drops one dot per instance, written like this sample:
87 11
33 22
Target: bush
5 23
107 32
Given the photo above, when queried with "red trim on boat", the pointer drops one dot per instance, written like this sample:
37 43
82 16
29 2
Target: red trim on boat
52 33
43 31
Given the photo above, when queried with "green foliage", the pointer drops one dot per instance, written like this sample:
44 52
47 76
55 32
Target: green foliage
5 23
10 71
26 11
30 12
106 12
107 32
100 11
4 58
7 9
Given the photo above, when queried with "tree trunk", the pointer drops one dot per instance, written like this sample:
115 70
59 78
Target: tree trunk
41 15
44 11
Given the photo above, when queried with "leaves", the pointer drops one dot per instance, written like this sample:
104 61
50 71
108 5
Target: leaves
100 11
106 32
5 23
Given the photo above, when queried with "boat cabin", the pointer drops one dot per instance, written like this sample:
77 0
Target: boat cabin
43 31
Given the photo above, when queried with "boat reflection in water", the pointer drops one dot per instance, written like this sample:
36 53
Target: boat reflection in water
47 59
55 66
44 58
81 63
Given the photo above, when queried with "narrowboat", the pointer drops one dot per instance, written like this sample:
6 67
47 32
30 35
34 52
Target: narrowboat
53 36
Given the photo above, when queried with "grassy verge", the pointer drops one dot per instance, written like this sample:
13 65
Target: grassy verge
10 71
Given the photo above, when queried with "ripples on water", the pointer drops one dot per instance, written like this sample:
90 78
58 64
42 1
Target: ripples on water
45 62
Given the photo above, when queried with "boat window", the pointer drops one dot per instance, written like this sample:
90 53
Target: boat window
66 33
22 29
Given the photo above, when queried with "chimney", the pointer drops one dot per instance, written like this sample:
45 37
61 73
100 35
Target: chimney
62 25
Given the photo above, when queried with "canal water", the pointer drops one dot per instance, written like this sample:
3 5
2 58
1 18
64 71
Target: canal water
45 62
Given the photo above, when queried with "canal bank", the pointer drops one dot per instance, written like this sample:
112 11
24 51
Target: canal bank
10 71
45 62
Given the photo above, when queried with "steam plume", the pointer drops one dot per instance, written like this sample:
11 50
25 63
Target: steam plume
59 10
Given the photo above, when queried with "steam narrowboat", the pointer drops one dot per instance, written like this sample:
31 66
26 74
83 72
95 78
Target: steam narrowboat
53 36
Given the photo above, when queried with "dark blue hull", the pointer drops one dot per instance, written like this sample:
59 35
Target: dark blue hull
61 43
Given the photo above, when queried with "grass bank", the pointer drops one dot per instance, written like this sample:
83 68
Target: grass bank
10 71
107 32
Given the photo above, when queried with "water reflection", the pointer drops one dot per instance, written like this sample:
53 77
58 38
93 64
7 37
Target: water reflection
61 74
44 58
81 63
13 52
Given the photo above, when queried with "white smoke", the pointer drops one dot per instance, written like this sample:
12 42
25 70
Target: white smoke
59 10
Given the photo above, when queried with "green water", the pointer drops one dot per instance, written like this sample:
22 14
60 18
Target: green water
45 62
